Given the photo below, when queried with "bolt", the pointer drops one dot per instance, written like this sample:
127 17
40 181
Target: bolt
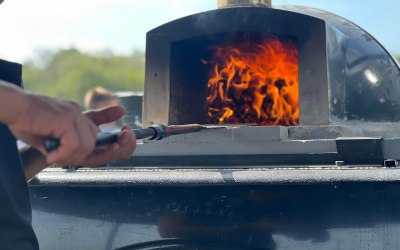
390 163
340 163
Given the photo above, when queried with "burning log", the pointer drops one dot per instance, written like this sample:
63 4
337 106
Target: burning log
254 83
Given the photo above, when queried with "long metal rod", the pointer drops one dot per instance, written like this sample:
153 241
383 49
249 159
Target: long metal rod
155 132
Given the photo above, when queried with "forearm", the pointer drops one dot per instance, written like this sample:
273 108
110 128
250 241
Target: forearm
33 162
11 101
31 118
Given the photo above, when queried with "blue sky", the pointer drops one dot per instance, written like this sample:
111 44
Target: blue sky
120 25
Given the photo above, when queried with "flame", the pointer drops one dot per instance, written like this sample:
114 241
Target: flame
254 83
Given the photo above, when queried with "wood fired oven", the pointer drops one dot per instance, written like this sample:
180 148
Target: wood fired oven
290 85
342 74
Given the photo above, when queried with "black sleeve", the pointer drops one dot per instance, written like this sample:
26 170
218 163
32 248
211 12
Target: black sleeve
11 72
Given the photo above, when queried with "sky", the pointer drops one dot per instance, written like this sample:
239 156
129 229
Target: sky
28 27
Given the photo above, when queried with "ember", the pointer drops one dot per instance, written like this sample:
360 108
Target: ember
254 83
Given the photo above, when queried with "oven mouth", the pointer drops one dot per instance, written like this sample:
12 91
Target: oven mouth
235 78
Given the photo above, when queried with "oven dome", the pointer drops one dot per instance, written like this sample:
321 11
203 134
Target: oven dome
345 75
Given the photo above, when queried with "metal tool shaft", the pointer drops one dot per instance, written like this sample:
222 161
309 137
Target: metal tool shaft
155 132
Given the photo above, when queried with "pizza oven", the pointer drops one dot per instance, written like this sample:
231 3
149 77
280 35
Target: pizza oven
253 64
271 75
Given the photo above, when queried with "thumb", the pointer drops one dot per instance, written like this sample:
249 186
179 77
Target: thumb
105 115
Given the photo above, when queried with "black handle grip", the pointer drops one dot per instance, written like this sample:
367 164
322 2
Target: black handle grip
51 144
105 138
145 133
101 139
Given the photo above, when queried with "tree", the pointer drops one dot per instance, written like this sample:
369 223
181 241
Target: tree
69 73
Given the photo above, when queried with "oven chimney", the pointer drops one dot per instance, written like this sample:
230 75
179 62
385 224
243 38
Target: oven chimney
236 3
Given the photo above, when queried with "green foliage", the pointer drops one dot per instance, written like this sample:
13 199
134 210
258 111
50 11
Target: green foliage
68 74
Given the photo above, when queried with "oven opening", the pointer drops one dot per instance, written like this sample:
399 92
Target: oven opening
235 78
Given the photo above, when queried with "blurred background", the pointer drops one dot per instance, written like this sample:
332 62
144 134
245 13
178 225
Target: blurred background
68 47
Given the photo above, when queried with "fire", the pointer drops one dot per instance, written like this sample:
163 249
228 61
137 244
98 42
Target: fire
254 83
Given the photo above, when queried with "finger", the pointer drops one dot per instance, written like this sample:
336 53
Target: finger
64 154
127 143
86 131
79 130
76 140
121 150
102 156
105 115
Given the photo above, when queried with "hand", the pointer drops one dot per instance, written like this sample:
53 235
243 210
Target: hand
122 149
34 162
38 117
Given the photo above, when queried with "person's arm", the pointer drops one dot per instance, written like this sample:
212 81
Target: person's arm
33 118
34 162
10 98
